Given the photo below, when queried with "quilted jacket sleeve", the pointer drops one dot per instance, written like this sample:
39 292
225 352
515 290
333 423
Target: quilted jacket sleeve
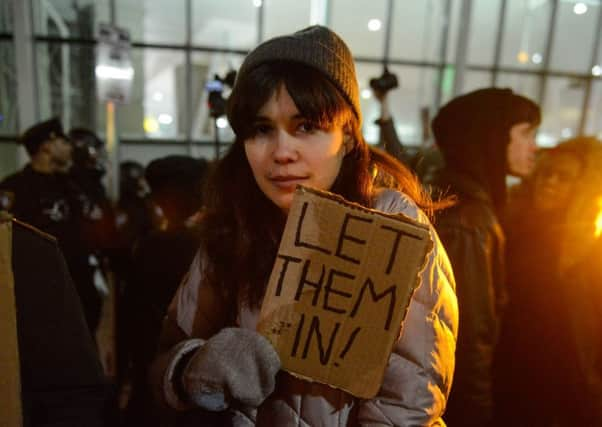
418 377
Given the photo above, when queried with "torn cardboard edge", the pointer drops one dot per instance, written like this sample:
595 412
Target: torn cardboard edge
337 299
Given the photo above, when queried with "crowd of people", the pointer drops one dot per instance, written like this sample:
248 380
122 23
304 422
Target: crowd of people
502 330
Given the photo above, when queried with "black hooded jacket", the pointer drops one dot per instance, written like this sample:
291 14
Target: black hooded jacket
472 133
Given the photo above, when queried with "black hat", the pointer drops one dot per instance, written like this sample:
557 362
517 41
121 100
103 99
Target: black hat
36 135
317 47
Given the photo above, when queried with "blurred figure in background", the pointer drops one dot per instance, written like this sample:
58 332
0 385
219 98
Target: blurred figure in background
483 136
161 258
134 218
42 194
98 228
549 364
88 170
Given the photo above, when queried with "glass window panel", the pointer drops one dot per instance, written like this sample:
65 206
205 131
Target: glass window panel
207 151
409 103
594 117
574 38
69 19
484 23
146 153
204 67
454 28
158 97
225 23
353 26
8 158
66 83
153 21
8 89
523 84
6 16
474 80
561 110
285 16
525 31
417 30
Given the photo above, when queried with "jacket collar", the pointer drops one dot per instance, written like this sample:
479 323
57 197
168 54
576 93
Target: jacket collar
463 186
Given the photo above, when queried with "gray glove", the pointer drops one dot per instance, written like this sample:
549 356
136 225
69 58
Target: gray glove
234 365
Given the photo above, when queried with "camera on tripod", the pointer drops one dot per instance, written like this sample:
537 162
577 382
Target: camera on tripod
215 87
384 83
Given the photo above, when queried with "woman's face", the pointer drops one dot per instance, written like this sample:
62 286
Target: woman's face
521 150
287 150
554 180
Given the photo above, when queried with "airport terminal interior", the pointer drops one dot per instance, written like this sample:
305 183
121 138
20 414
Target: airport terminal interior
136 92
547 50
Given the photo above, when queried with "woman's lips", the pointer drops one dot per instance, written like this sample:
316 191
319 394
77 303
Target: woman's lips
287 182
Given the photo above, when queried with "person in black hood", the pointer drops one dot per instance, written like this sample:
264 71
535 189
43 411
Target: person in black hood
483 136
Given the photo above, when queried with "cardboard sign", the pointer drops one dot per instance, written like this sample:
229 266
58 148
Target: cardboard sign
10 374
340 289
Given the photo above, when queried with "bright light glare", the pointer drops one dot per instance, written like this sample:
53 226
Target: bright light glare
221 123
580 8
150 125
257 3
366 94
114 73
523 57
536 58
165 119
598 231
597 70
374 24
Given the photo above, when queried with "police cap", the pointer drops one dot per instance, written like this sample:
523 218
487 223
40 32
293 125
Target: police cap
39 133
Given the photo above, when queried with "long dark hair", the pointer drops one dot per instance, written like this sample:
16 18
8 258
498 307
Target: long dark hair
242 227
473 133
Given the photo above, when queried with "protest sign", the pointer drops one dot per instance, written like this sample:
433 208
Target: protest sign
340 288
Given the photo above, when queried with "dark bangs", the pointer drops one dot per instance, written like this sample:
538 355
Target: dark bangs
317 99
524 110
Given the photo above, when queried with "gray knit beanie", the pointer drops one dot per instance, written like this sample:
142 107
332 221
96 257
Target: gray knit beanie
317 47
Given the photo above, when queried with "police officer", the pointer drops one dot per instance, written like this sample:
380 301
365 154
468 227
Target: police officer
61 378
41 194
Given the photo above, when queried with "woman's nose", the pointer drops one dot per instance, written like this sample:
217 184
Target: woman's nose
285 150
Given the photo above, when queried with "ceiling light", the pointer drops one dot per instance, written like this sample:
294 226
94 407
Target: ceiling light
536 58
374 24
221 123
597 70
522 57
165 119
150 125
109 72
366 94
580 8
257 3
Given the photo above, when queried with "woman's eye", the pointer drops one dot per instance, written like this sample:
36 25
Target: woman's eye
307 127
262 129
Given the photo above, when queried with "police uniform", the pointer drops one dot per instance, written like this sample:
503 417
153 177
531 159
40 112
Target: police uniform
52 203
61 377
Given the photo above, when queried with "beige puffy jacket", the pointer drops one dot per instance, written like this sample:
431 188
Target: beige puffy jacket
418 377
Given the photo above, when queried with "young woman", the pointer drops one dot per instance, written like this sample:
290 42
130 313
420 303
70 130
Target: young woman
483 136
295 112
